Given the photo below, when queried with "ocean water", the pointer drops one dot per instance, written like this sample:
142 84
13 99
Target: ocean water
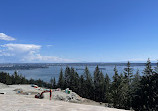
54 70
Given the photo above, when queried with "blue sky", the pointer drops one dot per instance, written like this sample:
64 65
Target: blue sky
78 30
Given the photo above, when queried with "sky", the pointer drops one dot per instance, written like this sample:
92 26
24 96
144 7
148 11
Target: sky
61 31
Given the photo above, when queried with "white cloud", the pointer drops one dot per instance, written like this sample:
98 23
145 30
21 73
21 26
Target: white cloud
3 53
28 53
6 37
21 47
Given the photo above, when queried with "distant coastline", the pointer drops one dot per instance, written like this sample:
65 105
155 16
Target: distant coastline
21 66
29 66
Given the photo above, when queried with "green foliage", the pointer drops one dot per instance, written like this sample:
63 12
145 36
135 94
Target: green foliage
136 82
126 86
19 79
81 90
148 69
125 91
99 83
116 89
67 77
107 91
128 73
121 88
76 82
145 96
54 83
88 83
61 82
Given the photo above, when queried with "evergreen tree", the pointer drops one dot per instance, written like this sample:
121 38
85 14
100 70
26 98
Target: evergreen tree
124 95
67 77
72 79
88 83
145 97
39 82
54 83
61 80
107 89
115 88
101 87
136 81
96 83
148 69
135 87
99 83
76 82
31 81
3 78
81 90
8 79
17 78
23 80
51 82
126 86
128 73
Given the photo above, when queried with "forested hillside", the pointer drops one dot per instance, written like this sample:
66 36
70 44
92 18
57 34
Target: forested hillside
125 90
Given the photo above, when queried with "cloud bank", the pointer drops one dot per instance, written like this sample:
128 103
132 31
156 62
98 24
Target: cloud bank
24 52
27 53
6 37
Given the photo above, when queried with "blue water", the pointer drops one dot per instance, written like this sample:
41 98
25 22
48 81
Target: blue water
53 71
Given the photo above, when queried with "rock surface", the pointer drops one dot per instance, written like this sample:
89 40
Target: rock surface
21 98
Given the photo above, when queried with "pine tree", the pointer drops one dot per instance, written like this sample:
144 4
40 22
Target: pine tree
136 81
81 90
88 83
39 82
23 80
76 82
31 81
146 96
99 83
135 87
3 77
101 87
8 79
61 80
148 70
17 78
67 77
124 95
128 72
54 83
107 89
96 83
51 82
72 79
126 86
115 89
